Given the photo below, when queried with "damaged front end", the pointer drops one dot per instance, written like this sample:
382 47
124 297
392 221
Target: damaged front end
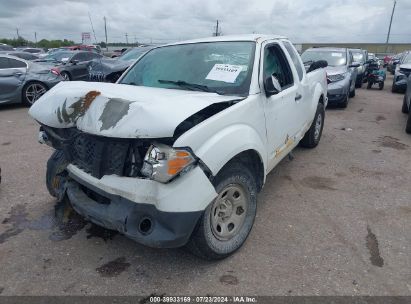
116 161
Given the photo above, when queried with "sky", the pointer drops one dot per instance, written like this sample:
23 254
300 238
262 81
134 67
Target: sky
163 21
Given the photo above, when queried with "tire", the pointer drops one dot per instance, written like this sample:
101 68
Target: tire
369 85
408 125
32 91
66 76
381 86
352 93
344 104
212 238
56 174
404 109
394 88
358 84
313 136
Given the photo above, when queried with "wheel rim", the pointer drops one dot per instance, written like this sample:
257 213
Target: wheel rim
34 91
65 76
228 212
318 125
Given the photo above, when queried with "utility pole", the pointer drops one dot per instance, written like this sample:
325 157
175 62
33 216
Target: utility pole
105 31
92 27
17 30
216 29
389 28
35 37
127 38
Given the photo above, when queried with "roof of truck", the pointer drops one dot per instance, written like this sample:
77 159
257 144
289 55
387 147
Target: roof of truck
249 37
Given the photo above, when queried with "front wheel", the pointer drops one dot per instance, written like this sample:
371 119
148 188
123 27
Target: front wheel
408 126
227 221
381 86
352 93
404 105
66 76
313 135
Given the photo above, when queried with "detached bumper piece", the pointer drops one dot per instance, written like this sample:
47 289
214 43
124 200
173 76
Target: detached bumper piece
143 223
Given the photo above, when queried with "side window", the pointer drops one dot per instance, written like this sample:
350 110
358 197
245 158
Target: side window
294 56
80 57
4 63
276 64
16 63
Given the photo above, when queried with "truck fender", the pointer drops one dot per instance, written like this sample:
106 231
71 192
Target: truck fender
223 146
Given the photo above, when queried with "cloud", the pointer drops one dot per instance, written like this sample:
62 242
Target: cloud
165 21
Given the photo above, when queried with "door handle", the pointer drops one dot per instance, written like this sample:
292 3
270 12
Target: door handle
18 73
298 97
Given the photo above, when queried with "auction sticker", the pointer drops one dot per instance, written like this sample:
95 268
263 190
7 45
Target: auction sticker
224 72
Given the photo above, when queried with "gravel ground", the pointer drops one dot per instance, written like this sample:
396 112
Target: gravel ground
336 220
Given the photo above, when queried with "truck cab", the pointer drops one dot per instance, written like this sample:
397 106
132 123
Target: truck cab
176 151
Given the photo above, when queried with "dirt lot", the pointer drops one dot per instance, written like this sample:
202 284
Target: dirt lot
334 221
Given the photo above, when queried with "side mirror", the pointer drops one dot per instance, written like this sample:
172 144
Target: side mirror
396 61
74 61
272 86
354 64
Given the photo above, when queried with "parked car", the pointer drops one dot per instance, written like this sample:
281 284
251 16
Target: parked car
24 81
341 72
359 57
72 65
393 62
119 52
6 47
22 55
31 50
110 69
406 105
89 48
402 71
175 153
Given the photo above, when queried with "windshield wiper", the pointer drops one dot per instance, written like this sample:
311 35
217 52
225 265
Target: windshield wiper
191 86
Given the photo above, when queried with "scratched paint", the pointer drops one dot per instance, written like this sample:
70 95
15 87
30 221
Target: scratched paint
114 111
70 114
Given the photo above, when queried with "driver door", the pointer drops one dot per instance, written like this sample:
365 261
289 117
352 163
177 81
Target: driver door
281 119
12 74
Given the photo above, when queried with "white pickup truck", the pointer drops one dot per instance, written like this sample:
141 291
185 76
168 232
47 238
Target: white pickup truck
176 151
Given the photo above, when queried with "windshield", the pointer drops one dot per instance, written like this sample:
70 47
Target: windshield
133 54
334 58
358 56
58 56
225 67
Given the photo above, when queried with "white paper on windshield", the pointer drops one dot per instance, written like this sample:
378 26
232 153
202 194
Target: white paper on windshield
65 59
336 54
224 72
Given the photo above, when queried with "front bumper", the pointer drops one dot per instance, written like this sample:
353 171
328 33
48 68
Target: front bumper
338 91
153 214
401 85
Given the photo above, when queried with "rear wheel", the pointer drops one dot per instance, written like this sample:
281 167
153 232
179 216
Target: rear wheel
381 85
227 221
394 88
404 105
313 135
369 85
33 91
344 103
66 76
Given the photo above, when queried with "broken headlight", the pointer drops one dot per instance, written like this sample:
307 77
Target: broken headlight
163 162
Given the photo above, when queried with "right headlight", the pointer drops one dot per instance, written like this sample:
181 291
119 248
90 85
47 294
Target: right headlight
163 162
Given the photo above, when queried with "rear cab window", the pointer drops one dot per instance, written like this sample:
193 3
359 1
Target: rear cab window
295 58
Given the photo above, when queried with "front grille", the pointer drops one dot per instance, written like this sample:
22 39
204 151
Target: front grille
98 155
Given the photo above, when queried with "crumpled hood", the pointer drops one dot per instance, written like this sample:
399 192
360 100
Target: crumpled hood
334 70
118 110
109 65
